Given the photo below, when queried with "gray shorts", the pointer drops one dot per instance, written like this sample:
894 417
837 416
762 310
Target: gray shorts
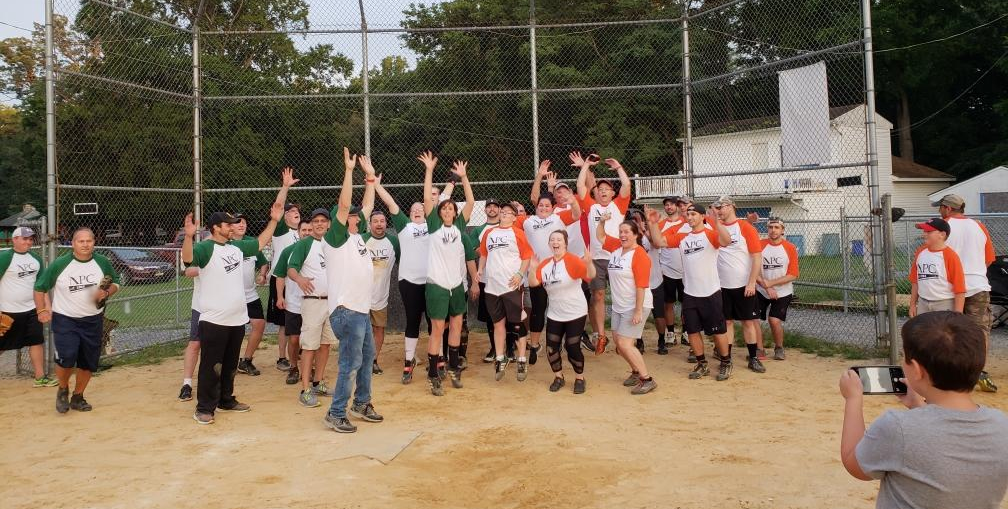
601 275
194 326
926 306
622 324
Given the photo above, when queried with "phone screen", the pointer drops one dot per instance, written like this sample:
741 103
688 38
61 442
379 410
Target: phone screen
881 379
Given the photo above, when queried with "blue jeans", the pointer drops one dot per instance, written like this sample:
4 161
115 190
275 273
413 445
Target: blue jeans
356 353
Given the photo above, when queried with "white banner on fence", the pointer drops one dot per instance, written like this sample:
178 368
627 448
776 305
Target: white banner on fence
804 115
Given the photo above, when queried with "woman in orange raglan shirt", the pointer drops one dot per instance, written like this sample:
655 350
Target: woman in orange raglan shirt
629 273
937 277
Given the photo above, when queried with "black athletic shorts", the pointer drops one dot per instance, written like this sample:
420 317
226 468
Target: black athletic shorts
194 326
255 310
274 315
673 290
293 323
481 307
777 308
25 331
739 307
507 307
704 314
77 341
658 296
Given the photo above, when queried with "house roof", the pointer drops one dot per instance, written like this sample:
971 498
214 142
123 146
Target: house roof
29 214
993 173
905 168
753 124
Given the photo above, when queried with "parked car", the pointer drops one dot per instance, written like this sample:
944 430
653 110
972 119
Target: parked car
137 266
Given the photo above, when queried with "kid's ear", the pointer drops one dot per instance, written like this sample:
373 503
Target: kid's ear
914 371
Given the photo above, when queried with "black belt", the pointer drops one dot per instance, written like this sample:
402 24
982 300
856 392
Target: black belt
314 297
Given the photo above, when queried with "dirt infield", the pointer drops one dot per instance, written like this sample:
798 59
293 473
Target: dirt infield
755 441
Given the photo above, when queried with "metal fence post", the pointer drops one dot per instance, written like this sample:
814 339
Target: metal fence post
197 128
535 87
49 253
178 286
687 102
871 155
890 278
845 249
364 80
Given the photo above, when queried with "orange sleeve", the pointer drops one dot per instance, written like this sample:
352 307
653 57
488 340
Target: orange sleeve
792 254
763 243
520 220
989 255
641 268
567 216
576 267
611 244
539 269
483 247
524 249
585 202
712 236
672 238
751 237
954 270
913 266
622 203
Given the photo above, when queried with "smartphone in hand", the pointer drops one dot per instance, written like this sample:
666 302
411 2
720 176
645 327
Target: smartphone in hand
881 379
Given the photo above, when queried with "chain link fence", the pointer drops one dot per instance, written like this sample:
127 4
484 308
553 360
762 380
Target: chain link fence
163 107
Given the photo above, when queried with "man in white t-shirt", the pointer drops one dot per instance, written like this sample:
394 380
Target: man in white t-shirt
289 299
970 240
254 270
384 254
81 281
285 235
671 268
350 276
19 268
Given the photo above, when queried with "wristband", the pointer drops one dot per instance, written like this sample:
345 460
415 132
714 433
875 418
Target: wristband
43 310
369 179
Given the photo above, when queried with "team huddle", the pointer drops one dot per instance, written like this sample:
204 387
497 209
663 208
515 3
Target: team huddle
331 273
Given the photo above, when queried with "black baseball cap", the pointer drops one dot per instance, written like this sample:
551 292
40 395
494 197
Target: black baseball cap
606 182
222 217
934 224
491 201
292 206
320 211
674 199
696 207
354 210
241 215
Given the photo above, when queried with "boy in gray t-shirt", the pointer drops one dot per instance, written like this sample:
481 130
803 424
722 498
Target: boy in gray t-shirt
946 451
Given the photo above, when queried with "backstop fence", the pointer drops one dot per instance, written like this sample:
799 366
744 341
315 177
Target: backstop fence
159 108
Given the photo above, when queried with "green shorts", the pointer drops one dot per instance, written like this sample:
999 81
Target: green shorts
442 303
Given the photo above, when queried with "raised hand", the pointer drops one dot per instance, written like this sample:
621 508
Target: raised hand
752 217
276 211
606 216
287 177
349 161
551 180
544 168
459 168
188 226
428 160
365 164
651 214
576 159
613 164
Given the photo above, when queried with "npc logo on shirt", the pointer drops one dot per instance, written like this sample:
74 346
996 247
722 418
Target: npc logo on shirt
231 262
361 246
321 260
419 232
539 224
927 271
449 235
616 264
497 243
772 262
26 270
381 256
689 247
81 283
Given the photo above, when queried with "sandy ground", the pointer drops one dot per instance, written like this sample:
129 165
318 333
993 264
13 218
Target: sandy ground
755 441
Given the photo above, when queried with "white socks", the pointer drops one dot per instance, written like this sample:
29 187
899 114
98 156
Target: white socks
411 344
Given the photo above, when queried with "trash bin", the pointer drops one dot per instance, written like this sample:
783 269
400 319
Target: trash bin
798 241
857 247
829 245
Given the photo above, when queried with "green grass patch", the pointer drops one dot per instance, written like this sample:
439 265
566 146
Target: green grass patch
808 344
155 354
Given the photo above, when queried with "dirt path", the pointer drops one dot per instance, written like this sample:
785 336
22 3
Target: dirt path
755 441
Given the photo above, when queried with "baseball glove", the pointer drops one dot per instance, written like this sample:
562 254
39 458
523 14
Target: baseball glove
6 321
105 284
600 344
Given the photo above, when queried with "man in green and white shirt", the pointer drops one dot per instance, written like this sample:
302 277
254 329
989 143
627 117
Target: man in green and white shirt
384 255
286 234
223 310
254 270
81 281
19 267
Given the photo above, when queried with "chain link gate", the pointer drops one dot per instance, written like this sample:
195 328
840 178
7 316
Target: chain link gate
161 108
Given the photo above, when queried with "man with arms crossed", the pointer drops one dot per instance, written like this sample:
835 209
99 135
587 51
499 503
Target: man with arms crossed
81 282
19 268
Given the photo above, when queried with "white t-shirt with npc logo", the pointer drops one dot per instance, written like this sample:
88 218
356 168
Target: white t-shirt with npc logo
293 295
384 254
222 289
671 260
699 252
562 282
414 241
537 230
778 260
617 207
75 284
18 272
350 271
937 274
307 257
446 252
628 271
504 249
735 261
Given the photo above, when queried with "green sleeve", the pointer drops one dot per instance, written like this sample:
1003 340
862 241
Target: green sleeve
365 235
395 246
35 256
338 233
433 221
47 279
6 256
298 253
106 267
469 245
260 259
281 228
281 266
248 247
400 221
202 252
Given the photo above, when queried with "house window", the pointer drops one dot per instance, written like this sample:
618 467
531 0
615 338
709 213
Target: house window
760 157
993 202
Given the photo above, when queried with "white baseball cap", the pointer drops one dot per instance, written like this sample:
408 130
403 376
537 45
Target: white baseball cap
23 231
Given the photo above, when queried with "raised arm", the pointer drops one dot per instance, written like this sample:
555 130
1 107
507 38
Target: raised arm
386 198
600 232
537 182
346 192
724 237
429 162
579 162
189 231
624 179
589 263
276 212
370 181
287 177
459 168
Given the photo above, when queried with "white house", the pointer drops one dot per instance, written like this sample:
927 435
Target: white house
811 200
984 193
